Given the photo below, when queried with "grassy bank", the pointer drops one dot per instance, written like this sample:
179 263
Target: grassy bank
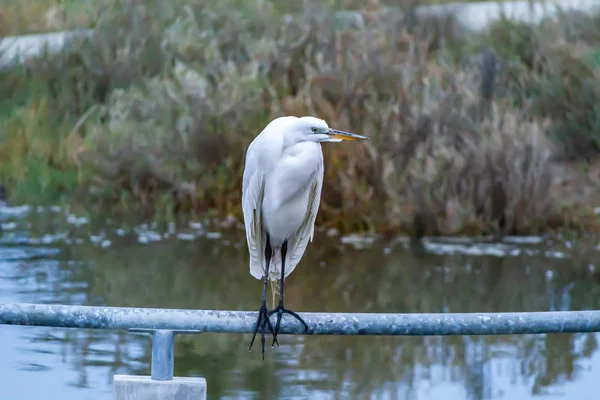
495 133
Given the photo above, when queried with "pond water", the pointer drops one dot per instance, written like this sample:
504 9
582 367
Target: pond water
51 256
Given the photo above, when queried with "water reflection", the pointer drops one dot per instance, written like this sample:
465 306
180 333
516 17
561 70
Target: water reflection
211 273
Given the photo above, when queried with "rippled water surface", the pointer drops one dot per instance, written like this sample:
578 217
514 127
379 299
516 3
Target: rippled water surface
52 256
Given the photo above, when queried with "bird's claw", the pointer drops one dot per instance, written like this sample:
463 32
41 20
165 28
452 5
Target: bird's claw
280 310
263 317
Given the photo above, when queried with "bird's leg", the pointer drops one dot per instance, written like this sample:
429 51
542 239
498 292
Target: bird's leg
280 310
263 315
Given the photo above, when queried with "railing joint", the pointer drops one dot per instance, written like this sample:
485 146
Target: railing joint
163 351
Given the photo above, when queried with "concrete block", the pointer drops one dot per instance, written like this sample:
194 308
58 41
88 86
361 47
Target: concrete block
134 387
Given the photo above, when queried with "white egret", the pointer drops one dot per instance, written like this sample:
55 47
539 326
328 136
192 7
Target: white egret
281 192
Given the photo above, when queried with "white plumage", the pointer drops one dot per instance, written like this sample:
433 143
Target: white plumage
281 192
281 189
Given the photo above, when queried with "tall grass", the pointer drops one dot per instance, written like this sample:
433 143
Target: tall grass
158 107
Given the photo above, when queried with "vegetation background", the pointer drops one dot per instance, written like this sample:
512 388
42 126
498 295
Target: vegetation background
491 133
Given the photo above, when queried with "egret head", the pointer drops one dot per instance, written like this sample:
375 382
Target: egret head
316 130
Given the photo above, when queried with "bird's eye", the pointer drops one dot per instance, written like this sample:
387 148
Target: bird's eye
314 130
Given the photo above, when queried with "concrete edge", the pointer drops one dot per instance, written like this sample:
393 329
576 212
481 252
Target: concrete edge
142 387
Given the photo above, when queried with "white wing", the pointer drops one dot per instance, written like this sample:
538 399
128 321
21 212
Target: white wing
252 194
297 243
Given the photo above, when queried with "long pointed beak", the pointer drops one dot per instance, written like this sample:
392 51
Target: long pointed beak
336 134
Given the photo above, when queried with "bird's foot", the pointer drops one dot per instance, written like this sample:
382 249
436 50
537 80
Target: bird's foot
262 319
280 310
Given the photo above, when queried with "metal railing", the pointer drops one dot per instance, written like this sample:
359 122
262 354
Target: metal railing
164 324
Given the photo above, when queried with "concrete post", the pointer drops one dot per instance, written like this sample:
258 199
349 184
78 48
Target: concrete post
135 387
161 385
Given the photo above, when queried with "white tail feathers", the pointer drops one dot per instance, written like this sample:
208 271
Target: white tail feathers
275 265
258 271
275 275
275 291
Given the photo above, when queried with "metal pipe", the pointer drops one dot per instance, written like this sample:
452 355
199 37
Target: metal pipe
319 323
163 352
163 355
